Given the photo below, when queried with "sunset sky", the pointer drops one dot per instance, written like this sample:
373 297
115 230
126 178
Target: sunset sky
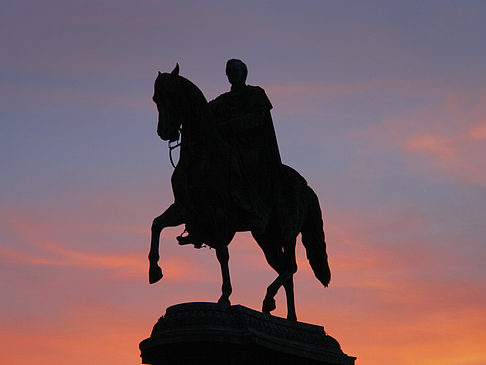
381 105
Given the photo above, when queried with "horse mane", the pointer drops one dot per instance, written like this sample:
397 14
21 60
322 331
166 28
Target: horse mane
198 103
189 89
193 91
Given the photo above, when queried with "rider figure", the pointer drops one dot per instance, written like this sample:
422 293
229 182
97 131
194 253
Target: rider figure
244 120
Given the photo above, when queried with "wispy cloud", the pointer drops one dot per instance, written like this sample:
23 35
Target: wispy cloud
78 337
312 98
41 244
445 138
61 256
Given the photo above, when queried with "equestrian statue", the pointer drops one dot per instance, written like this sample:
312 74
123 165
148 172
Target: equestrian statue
230 178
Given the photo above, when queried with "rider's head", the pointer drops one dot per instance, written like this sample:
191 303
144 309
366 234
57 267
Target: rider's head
236 71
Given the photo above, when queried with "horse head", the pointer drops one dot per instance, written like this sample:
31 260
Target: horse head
167 97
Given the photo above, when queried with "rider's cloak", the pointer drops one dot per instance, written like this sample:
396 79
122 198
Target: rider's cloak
244 120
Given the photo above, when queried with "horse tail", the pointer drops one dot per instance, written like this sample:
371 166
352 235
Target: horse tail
313 238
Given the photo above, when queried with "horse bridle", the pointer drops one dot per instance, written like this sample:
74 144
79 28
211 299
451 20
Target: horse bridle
174 146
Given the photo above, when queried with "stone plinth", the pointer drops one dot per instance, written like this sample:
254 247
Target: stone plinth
209 333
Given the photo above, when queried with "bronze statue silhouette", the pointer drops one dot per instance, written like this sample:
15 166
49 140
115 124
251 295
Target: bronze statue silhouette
230 179
243 120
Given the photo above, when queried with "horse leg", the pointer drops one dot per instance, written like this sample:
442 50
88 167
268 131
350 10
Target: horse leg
223 258
274 258
170 218
284 263
274 255
269 300
289 293
289 251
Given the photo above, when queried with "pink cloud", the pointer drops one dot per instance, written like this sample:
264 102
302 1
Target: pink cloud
308 98
337 89
478 132
441 147
445 138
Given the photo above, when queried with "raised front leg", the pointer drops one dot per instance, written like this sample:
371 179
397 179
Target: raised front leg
170 218
223 258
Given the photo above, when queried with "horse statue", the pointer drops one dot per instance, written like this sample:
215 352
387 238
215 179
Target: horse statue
201 191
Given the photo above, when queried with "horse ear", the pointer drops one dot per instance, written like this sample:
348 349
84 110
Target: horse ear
159 73
175 71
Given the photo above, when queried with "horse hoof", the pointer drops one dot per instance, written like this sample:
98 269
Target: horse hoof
292 317
155 274
224 301
268 305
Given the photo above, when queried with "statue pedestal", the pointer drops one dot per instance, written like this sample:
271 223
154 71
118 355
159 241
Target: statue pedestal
210 333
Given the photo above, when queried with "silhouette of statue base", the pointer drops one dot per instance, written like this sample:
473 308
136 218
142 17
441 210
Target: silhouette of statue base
211 333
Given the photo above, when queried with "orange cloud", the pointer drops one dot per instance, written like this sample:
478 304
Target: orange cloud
42 245
90 335
398 307
126 264
385 300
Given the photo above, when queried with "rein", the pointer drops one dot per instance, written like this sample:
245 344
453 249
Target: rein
172 147
177 143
